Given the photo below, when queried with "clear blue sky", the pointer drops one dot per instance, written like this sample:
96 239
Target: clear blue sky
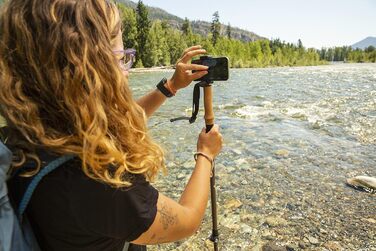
318 23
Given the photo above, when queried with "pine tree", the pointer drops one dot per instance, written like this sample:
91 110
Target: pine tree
157 46
300 44
129 26
215 28
176 44
229 31
186 27
143 28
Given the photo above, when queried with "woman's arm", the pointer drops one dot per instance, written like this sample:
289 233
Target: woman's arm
175 221
151 101
182 77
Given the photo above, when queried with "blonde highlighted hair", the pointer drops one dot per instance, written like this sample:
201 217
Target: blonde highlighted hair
61 89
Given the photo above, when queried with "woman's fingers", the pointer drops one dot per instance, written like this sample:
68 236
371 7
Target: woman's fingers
197 75
196 47
189 55
194 67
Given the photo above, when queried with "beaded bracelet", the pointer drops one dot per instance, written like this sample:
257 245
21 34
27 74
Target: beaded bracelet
212 162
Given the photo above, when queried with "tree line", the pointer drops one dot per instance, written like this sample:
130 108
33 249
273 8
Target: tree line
348 54
158 44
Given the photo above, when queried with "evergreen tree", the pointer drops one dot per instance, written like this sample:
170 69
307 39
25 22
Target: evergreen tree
300 44
129 26
215 28
267 52
143 28
229 31
176 44
157 46
186 27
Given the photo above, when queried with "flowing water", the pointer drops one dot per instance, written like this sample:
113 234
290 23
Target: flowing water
292 138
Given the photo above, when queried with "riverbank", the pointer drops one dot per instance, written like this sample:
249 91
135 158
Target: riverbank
171 68
152 69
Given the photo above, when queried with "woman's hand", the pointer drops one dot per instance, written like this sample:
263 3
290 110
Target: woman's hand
183 75
210 143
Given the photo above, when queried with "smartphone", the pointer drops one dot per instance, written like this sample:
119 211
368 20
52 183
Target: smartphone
218 68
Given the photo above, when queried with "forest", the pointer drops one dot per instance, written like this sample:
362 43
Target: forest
158 44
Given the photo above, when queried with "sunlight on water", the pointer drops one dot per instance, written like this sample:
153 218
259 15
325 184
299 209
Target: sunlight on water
292 137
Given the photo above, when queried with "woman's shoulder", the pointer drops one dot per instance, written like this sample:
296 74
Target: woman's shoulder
70 180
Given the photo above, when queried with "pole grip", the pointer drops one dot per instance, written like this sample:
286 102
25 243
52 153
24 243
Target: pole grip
208 104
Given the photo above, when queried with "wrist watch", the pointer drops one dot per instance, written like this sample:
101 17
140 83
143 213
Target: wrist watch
161 87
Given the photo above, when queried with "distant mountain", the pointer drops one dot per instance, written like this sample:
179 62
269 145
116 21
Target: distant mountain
365 43
200 27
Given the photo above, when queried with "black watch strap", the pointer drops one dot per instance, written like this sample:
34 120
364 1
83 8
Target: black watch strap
163 89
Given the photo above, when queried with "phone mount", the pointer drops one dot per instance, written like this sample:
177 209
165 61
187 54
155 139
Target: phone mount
195 103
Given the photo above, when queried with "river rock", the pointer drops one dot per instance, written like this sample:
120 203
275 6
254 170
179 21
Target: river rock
283 153
303 245
234 203
245 229
365 183
275 221
272 247
267 235
292 247
237 151
313 240
317 125
333 246
369 220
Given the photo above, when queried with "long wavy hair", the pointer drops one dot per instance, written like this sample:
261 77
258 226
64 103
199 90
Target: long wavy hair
61 89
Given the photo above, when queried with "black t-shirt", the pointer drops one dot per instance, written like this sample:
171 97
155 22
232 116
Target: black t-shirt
70 211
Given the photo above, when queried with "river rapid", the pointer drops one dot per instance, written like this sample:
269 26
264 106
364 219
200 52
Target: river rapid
292 138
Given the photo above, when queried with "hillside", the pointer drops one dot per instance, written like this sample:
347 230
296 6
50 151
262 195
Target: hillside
365 43
200 27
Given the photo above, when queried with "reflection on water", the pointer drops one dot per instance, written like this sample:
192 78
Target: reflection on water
292 135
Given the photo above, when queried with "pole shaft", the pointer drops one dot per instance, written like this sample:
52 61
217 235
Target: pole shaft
209 121
208 104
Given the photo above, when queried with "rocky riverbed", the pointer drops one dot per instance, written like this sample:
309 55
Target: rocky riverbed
292 138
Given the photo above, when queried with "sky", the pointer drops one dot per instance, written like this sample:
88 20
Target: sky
318 23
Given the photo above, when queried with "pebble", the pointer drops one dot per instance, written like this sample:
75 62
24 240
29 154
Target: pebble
234 203
274 221
369 220
282 153
333 246
316 125
272 247
245 229
313 240
267 235
292 247
237 151
240 162
303 245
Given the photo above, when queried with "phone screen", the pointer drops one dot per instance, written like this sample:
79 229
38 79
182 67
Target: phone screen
218 68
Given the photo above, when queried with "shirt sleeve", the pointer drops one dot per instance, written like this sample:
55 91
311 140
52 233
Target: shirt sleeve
115 213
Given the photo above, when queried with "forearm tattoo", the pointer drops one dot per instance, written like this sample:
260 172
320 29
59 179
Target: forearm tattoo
168 217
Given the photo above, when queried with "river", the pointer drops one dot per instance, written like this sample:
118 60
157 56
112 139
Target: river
292 138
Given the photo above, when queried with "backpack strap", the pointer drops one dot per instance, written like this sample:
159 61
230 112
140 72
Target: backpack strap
37 178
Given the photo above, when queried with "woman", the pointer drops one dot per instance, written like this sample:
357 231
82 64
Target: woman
63 90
